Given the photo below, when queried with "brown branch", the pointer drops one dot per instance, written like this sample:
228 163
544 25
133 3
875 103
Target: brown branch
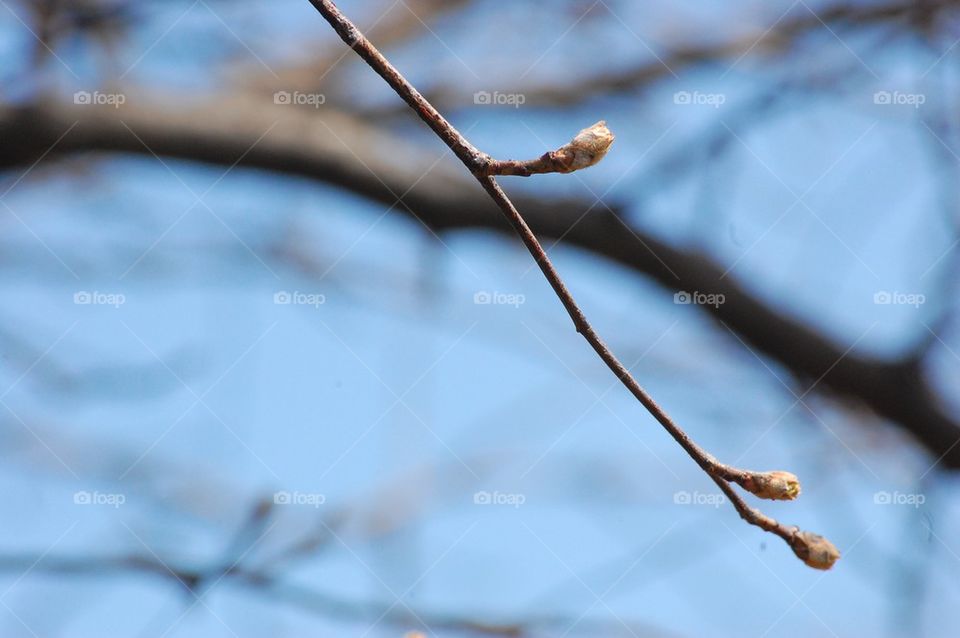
814 550
300 142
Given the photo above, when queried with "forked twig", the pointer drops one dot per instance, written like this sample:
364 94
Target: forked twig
586 149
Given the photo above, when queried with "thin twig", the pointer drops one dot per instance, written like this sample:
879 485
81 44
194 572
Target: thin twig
586 149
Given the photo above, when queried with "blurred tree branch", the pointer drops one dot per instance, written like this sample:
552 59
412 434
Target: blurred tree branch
766 45
192 580
404 22
245 131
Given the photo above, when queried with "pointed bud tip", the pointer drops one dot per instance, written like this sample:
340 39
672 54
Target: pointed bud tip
588 147
814 550
776 485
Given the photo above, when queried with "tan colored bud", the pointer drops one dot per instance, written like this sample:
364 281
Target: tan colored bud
586 149
815 550
776 485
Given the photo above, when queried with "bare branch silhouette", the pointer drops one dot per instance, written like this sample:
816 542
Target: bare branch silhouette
814 550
